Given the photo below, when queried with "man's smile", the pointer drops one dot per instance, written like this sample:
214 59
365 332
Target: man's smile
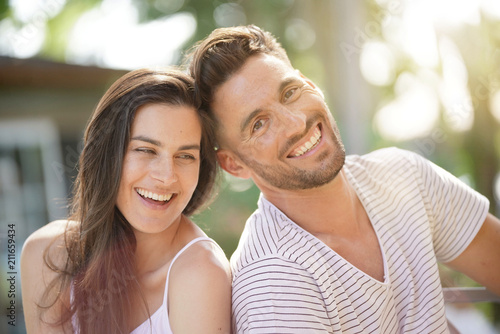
307 146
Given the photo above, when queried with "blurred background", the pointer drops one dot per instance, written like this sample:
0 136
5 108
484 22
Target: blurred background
421 75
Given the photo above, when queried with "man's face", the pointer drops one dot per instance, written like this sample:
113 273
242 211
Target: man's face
276 127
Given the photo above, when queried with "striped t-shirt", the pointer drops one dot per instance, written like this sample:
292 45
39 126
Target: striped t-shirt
285 280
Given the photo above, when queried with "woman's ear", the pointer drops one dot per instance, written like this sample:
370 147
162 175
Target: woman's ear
232 164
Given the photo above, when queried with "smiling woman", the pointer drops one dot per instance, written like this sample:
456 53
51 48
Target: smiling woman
129 259
161 167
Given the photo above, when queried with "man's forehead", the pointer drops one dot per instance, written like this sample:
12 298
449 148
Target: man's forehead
259 74
273 67
259 81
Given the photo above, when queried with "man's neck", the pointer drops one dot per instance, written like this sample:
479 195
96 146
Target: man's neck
331 209
335 215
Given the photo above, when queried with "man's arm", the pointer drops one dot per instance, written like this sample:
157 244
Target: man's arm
481 259
273 295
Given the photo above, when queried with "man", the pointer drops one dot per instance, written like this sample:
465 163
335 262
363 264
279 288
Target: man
338 244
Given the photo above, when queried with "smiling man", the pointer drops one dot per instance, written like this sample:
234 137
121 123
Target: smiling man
276 107
337 244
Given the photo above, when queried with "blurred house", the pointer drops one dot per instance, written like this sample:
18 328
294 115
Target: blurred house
44 108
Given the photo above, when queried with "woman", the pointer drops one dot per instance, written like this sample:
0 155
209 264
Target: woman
129 259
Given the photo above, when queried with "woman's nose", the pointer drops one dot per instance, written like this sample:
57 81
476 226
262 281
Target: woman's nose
164 171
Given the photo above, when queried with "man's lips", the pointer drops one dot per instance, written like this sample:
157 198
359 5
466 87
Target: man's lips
308 145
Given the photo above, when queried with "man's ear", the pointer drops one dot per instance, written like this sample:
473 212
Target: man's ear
231 164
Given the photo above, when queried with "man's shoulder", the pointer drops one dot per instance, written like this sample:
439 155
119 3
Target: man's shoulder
381 159
382 155
259 239
266 235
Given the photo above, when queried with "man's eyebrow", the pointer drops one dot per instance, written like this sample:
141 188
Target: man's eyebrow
286 82
159 144
282 86
248 119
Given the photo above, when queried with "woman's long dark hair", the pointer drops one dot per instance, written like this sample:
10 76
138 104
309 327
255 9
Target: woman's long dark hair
100 268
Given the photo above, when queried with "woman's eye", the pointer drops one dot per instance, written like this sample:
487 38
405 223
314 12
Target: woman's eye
145 150
186 157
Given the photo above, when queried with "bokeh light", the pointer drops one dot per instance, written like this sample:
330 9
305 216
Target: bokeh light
112 36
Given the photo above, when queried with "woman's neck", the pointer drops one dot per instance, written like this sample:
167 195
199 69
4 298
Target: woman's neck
155 250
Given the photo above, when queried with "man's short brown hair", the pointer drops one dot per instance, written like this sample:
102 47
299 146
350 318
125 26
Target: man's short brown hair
220 55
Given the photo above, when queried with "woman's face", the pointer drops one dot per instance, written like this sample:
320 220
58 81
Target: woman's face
160 167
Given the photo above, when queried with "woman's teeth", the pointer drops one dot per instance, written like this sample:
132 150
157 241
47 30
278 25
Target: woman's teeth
154 196
310 144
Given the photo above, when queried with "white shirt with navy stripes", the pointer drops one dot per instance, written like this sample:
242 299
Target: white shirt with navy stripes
285 280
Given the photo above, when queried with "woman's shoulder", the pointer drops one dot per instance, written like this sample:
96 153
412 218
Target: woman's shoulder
203 256
42 253
200 288
47 240
51 234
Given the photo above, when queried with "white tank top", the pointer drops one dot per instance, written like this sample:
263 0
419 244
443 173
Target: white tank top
159 323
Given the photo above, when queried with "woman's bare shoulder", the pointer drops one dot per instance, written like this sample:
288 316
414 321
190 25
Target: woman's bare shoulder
48 235
204 255
51 235
200 279
45 245
51 230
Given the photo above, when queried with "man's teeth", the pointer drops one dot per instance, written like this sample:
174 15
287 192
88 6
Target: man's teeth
311 143
156 197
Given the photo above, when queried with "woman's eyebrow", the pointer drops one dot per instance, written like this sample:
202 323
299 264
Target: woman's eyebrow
190 147
159 144
147 140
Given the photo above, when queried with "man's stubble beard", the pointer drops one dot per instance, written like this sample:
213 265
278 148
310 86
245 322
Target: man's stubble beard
293 178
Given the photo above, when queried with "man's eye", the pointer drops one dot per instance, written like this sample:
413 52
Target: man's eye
288 94
257 125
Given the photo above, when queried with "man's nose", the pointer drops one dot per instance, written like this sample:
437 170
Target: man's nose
292 122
